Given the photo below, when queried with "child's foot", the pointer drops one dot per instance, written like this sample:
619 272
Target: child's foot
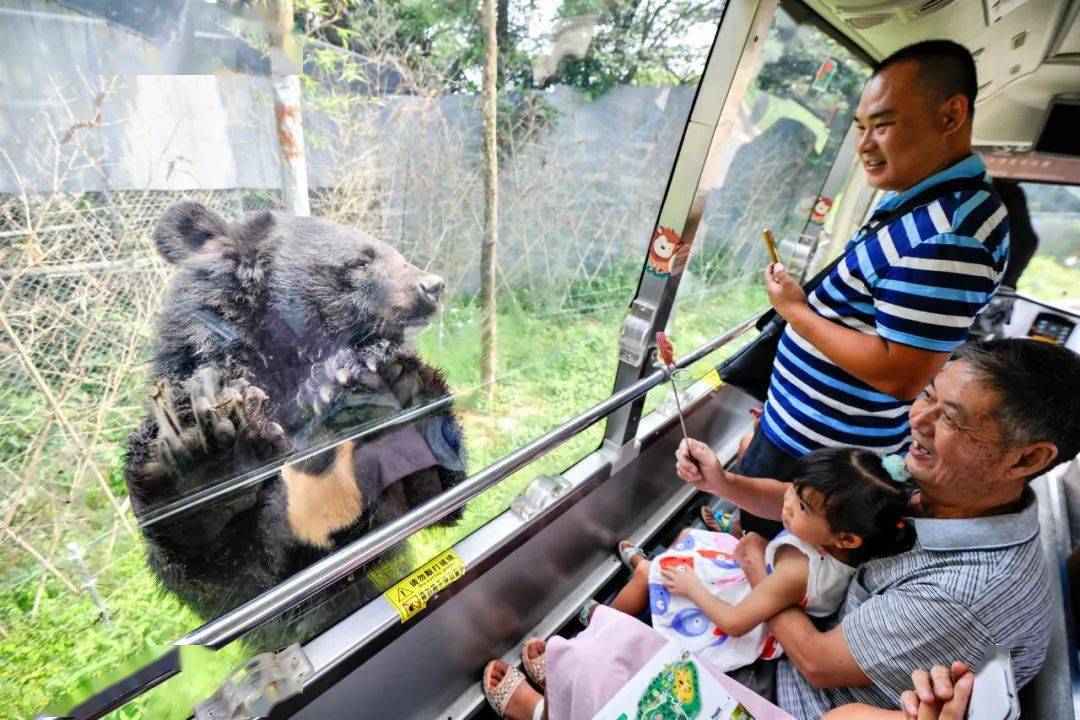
507 692
584 615
721 522
708 516
630 554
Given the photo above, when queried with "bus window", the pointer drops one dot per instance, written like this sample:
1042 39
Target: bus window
200 399
789 129
1053 273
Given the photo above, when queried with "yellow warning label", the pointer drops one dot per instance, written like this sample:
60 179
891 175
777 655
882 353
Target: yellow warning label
411 595
713 378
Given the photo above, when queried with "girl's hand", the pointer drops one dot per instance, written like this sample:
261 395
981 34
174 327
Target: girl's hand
681 581
698 465
784 293
750 554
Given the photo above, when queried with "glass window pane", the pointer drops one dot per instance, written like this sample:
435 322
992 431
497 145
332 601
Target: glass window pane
200 400
788 131
1053 272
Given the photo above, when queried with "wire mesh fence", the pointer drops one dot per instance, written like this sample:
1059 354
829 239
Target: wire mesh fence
82 284
80 287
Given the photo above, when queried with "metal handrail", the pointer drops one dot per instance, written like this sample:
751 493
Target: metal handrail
324 573
216 492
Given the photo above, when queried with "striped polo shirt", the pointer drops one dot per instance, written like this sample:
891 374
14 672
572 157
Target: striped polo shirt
965 585
919 281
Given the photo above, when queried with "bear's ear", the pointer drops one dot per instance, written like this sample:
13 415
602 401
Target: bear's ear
185 228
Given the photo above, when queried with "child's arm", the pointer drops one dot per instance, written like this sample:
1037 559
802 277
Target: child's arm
784 587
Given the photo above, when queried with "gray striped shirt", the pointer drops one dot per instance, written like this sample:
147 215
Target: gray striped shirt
966 584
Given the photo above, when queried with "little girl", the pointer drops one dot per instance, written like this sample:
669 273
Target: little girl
842 508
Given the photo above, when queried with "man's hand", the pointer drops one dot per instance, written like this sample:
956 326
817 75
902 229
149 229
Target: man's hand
750 554
785 294
939 694
681 581
697 464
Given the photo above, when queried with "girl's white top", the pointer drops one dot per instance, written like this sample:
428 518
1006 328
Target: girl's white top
828 580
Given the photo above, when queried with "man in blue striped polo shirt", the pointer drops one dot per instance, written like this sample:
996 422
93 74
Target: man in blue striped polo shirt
873 333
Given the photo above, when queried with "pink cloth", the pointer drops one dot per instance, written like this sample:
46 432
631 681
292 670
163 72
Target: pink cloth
583 673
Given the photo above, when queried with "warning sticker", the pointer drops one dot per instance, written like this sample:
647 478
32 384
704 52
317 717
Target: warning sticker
411 595
713 379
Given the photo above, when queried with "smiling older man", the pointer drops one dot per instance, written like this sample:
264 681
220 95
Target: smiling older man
999 415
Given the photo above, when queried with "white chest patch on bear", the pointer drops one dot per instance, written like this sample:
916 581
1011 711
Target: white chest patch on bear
320 505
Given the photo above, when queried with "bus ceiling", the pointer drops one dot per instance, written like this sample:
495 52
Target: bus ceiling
1027 53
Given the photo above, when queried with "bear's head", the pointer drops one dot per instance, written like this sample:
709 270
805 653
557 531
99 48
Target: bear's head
328 282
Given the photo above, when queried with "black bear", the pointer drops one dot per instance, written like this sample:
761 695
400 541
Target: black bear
282 336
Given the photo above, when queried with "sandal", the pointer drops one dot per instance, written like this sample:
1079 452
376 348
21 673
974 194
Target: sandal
585 613
499 696
715 521
626 552
535 668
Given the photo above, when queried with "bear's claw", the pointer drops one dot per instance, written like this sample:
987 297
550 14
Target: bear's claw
191 444
344 371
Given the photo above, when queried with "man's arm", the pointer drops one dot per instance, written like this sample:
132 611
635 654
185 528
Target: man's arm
895 369
697 464
823 658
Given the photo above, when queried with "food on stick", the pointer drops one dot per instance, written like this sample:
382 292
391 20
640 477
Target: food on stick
770 245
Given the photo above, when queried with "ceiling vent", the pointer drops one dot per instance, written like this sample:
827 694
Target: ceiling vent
930 6
1018 39
865 22
997 9
873 14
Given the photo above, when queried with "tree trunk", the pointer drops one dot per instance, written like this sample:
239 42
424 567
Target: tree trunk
488 256
502 39
285 63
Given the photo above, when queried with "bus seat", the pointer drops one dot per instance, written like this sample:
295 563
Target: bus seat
1050 693
1070 484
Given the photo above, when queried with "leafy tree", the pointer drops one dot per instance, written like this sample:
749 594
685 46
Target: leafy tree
792 74
637 42
438 44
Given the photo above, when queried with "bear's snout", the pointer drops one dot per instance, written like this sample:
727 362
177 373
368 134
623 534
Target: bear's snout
431 287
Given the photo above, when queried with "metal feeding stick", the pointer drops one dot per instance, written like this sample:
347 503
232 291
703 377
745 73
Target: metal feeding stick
666 352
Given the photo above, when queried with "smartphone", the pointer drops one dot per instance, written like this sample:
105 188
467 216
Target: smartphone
770 245
993 696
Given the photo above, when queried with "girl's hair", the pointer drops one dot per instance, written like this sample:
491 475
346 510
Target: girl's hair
859 497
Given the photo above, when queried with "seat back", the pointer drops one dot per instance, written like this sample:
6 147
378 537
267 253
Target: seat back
1054 692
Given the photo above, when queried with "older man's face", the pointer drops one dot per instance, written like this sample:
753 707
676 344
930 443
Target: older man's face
900 135
957 454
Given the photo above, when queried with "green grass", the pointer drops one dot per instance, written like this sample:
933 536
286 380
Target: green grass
552 366
1048 279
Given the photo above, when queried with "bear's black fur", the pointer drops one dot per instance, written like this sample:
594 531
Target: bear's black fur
281 335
